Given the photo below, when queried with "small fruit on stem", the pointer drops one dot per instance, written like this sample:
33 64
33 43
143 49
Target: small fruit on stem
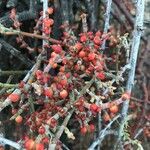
19 119
29 144
91 56
106 117
82 54
83 130
125 96
94 108
48 92
83 38
14 97
63 94
101 76
41 130
57 49
39 146
91 127
114 108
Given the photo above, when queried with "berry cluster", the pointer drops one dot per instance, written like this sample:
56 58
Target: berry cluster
74 78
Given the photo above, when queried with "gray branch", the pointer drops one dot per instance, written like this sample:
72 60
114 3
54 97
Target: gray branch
9 142
107 18
16 53
137 33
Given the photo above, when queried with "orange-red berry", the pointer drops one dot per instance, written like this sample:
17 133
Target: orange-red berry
114 109
19 119
82 54
14 97
48 92
29 144
91 56
63 94
83 130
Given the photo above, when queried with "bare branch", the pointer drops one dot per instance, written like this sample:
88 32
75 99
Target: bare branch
107 18
16 53
138 29
10 143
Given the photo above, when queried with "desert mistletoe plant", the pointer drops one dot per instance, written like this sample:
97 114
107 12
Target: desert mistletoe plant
76 83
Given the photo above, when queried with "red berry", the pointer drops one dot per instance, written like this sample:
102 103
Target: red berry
91 127
91 56
41 130
125 96
83 38
97 40
63 82
78 46
106 117
39 74
14 97
63 94
19 119
29 144
48 92
114 109
82 54
90 33
48 22
83 130
39 146
45 140
62 69
57 49
94 107
98 33
50 10
101 76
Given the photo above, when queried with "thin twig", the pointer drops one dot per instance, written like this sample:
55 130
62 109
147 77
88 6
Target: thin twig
12 72
7 85
61 130
8 31
102 134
